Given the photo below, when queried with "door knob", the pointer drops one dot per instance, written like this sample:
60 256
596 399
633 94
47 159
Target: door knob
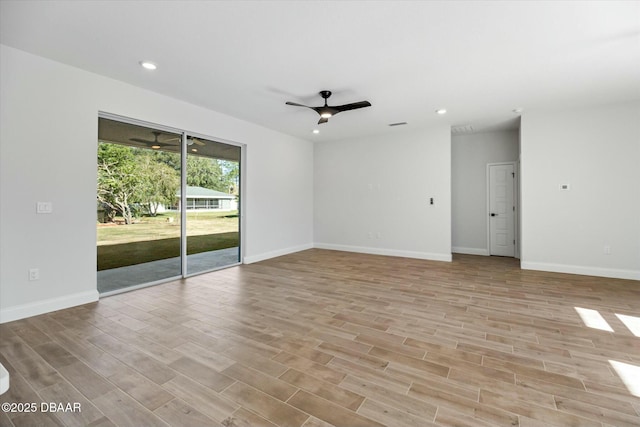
494 214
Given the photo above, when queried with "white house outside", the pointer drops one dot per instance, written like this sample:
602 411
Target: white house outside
205 199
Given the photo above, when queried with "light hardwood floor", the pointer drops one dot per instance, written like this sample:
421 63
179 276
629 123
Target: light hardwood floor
323 338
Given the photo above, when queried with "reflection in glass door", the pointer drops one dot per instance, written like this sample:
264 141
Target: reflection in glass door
211 204
138 226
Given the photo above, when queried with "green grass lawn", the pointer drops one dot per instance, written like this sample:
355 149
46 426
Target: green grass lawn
123 254
155 238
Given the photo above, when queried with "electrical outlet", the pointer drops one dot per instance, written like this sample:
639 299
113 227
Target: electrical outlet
34 274
607 250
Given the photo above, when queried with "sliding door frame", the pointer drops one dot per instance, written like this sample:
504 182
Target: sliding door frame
241 205
183 194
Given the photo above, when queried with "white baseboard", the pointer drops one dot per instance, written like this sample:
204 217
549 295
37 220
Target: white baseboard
267 255
387 252
46 306
470 251
585 271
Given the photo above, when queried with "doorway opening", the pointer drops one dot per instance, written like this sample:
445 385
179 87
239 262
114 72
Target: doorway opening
168 204
471 152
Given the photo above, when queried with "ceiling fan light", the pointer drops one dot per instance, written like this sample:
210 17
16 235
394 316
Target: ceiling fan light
325 115
148 65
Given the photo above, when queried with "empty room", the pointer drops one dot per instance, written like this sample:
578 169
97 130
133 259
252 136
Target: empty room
319 213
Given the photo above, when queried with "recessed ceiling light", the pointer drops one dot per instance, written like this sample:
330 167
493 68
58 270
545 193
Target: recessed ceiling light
315 131
518 110
148 65
325 115
441 111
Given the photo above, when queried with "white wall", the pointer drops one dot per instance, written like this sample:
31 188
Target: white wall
48 142
596 151
470 154
382 184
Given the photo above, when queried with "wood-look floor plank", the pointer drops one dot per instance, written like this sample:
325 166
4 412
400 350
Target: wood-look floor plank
86 380
329 412
272 386
210 403
151 368
145 391
45 419
215 360
178 412
36 371
391 416
202 373
528 409
125 411
401 359
466 407
268 407
603 415
404 402
317 370
245 418
323 389
64 393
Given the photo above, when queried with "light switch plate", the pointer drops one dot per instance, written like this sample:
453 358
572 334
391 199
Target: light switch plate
44 207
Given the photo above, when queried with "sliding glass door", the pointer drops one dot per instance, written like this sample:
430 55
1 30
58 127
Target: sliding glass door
167 205
211 204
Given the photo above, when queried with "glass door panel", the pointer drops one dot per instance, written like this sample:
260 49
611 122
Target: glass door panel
212 204
138 216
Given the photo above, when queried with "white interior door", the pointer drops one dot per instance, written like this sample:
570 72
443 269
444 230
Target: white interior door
501 210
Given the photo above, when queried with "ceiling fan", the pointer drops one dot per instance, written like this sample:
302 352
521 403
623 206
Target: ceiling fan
154 143
327 111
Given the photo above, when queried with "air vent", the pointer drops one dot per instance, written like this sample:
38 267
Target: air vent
398 124
461 129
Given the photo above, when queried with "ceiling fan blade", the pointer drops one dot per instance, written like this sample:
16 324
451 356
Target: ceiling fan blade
144 141
197 141
295 104
322 120
352 106
151 143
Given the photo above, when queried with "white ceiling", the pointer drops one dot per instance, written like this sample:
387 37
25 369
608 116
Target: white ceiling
477 59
